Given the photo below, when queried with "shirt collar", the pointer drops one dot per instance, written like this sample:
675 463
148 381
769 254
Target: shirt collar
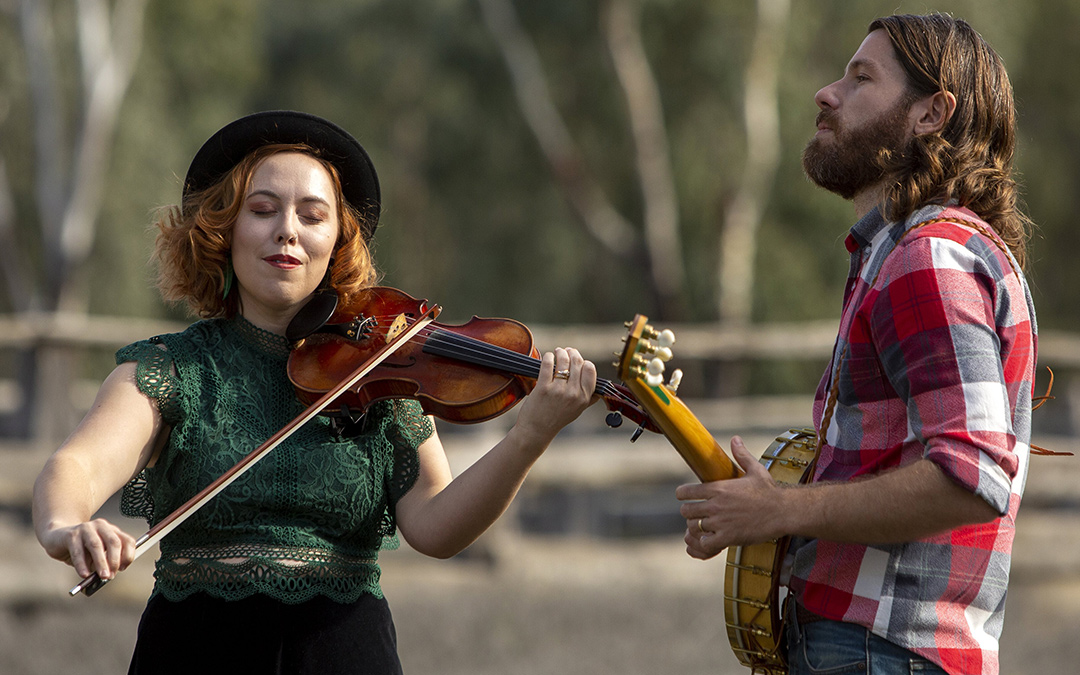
864 231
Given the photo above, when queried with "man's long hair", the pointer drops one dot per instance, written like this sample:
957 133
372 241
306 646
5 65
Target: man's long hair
970 160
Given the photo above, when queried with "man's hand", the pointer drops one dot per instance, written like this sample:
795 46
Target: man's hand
906 504
739 511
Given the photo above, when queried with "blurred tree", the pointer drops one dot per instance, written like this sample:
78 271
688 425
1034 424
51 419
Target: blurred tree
72 120
1047 34
203 64
745 210
659 250
667 122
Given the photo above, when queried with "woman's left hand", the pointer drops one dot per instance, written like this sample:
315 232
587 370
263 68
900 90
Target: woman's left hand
564 389
442 514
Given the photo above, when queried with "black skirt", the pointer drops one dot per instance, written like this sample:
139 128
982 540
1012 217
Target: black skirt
260 635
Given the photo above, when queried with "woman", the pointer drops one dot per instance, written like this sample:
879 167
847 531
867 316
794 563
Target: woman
278 573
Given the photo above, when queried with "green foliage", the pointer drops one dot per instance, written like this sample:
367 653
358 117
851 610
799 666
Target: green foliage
472 217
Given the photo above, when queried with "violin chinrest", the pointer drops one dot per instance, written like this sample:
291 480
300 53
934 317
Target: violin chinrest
312 316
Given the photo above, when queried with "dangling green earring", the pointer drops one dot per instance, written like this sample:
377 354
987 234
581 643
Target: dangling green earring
228 279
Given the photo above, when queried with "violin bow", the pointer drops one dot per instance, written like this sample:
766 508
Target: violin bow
90 585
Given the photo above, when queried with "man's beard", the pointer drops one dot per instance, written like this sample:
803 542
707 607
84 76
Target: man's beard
857 158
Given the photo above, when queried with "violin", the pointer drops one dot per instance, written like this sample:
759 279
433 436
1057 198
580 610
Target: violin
464 374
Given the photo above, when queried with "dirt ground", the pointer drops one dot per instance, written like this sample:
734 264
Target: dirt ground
568 607
530 604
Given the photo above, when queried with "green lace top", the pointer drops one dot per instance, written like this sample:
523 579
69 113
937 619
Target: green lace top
308 519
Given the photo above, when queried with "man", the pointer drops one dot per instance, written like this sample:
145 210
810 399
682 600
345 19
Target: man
901 545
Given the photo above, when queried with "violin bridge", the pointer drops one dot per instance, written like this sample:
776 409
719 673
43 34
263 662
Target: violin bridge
396 328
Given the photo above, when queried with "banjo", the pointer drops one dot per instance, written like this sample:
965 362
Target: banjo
753 574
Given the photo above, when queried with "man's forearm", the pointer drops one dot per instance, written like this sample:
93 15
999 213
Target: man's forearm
906 504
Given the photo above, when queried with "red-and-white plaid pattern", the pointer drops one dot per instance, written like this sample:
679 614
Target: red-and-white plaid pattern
940 339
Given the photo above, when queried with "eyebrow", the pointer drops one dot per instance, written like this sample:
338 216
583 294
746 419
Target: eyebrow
861 63
274 195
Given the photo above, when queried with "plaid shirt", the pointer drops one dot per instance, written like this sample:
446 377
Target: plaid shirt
940 342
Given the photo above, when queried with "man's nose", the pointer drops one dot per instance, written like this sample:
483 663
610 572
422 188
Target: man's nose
825 98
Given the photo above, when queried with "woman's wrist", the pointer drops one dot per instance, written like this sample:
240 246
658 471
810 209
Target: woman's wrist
527 439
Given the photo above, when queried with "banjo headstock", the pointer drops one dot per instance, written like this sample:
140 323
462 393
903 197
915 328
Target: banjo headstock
644 354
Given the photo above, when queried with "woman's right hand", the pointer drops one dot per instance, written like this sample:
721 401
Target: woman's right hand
113 443
95 546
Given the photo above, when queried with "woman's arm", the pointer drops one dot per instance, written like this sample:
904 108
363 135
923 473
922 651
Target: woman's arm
441 515
117 439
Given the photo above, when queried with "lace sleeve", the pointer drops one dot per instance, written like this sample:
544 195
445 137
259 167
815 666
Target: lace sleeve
154 376
408 429
411 428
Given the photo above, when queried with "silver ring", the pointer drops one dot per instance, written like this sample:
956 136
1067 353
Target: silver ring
562 374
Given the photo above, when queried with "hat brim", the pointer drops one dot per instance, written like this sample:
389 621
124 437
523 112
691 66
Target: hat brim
226 148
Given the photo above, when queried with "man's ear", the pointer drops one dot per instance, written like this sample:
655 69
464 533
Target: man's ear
933 112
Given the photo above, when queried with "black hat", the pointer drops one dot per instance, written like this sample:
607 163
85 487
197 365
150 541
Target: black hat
233 142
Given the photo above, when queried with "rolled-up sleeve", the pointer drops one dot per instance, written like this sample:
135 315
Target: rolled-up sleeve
943 319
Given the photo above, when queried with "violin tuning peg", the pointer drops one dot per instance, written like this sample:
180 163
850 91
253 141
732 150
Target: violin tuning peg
666 338
649 332
654 380
656 367
664 354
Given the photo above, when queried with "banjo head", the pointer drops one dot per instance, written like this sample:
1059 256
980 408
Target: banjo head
752 578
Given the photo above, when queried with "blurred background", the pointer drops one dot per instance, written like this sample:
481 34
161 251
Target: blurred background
566 164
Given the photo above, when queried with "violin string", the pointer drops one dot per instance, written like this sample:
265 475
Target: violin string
506 359
453 345
484 353
476 348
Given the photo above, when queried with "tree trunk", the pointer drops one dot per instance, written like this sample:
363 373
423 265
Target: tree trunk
738 239
69 186
653 156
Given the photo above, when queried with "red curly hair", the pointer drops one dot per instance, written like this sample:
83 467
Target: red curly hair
193 245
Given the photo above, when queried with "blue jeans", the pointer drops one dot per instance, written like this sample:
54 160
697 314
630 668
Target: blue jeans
826 647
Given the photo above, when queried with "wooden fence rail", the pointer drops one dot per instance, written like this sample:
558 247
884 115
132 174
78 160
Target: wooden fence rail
809 340
696 343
